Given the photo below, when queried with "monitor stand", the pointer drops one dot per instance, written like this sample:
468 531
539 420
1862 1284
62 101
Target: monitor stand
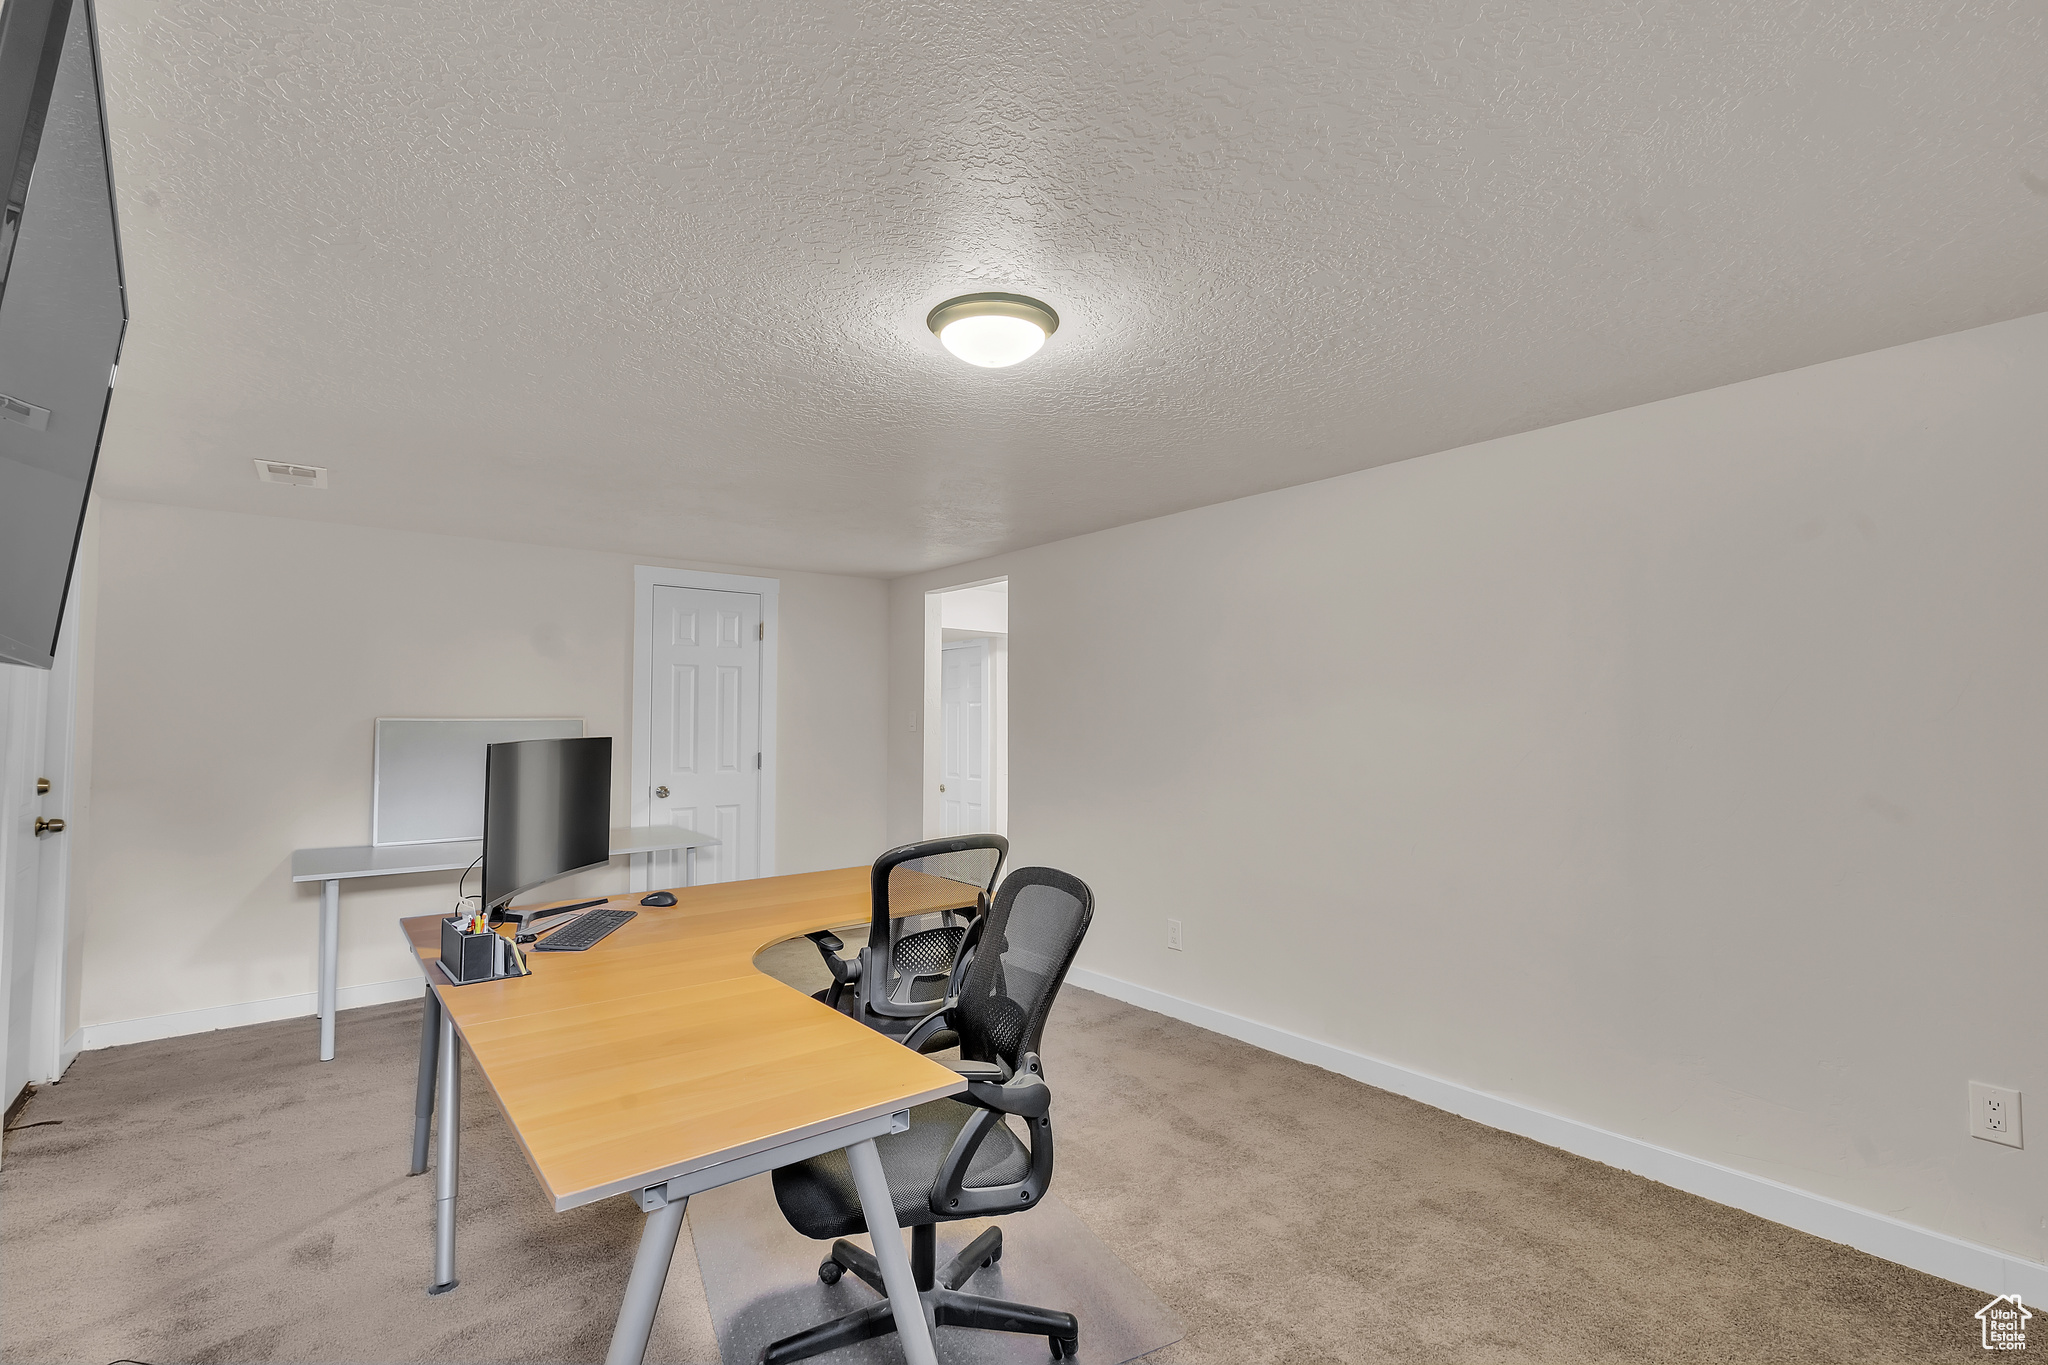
524 915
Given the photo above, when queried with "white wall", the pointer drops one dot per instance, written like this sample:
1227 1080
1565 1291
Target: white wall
1678 771
78 834
977 611
239 662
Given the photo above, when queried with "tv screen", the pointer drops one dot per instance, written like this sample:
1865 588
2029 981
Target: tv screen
547 812
63 309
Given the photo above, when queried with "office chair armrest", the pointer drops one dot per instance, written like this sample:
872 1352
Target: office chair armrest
993 1072
934 1023
845 971
1024 1094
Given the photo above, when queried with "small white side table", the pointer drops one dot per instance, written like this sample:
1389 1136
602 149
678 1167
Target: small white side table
333 866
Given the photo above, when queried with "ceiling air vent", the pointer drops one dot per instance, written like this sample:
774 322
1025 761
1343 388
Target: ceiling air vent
17 410
303 475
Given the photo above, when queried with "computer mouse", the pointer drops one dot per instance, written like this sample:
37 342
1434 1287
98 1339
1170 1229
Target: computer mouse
658 898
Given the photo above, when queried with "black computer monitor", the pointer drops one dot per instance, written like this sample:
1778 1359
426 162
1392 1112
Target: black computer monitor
547 812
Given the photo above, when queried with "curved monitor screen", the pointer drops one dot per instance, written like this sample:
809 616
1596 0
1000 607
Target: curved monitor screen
547 812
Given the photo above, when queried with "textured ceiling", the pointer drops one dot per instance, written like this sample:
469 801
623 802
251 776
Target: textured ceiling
653 276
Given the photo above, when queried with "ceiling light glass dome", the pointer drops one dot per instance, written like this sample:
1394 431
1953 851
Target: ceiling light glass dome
993 330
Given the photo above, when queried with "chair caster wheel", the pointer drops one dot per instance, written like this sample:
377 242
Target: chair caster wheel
830 1271
1064 1348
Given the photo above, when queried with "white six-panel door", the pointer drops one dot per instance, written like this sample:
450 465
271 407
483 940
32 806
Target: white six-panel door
705 724
31 927
965 738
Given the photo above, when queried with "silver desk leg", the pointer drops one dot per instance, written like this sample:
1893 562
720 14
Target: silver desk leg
880 1211
448 1113
330 968
650 1271
423 1098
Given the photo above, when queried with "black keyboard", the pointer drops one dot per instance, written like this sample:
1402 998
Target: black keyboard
583 931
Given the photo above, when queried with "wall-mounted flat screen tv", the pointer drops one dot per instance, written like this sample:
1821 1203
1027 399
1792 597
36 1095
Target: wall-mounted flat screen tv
63 309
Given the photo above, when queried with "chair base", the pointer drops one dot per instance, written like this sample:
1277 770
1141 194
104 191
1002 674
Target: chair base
940 1290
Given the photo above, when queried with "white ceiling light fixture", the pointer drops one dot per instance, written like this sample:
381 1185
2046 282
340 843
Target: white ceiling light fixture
992 330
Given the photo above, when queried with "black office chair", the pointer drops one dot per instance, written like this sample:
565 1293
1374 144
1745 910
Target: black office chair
900 978
960 1158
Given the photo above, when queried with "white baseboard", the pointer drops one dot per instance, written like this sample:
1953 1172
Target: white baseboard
119 1031
68 1053
1935 1253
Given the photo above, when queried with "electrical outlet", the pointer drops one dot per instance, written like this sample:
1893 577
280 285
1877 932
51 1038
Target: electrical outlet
1995 1114
1173 934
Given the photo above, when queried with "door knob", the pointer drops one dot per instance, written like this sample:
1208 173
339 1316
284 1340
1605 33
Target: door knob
942 786
661 793
48 826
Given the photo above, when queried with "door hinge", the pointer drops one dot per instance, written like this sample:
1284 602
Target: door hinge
757 762
760 630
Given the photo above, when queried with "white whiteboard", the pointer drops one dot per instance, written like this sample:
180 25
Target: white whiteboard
428 782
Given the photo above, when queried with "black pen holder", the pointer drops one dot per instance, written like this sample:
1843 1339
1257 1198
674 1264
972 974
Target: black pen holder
472 957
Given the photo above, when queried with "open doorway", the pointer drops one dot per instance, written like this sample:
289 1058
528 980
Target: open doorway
967 694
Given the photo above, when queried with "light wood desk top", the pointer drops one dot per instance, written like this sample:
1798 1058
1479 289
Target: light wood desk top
663 1049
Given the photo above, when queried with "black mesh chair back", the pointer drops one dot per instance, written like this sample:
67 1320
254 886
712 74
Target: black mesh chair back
1028 940
951 876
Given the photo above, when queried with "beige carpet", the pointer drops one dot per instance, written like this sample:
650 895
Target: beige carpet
225 1197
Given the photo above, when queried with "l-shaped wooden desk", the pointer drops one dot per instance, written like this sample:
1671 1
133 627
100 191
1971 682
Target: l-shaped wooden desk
662 1063
333 866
